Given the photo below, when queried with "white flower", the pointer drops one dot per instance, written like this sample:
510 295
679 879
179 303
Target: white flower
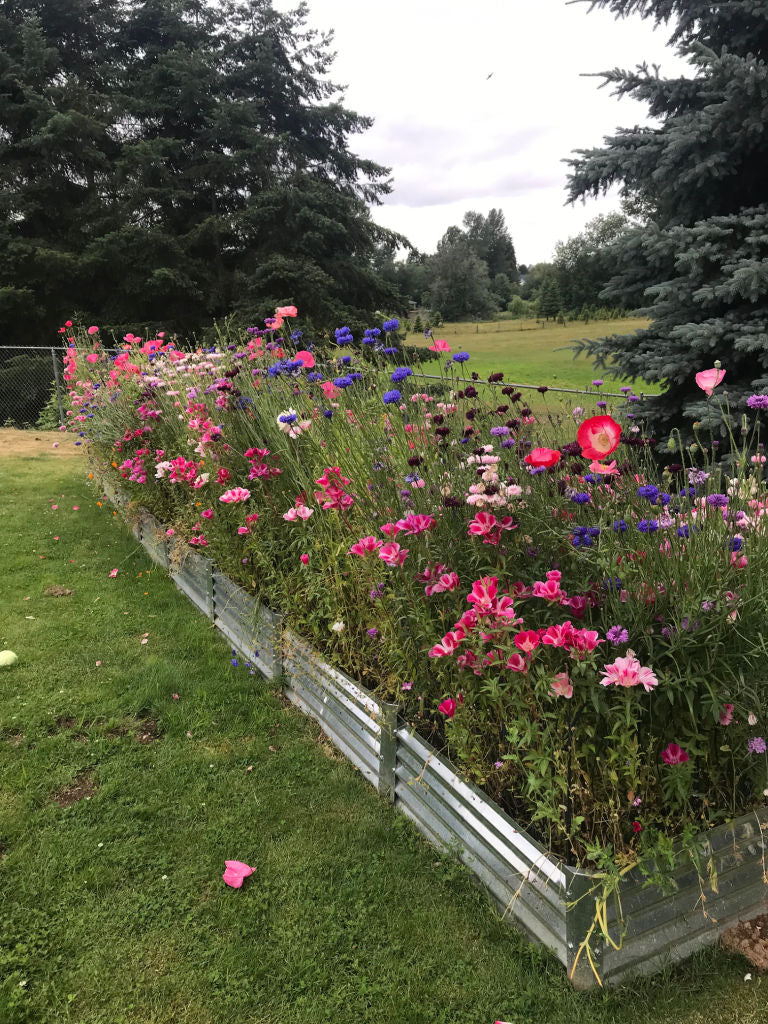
752 718
338 627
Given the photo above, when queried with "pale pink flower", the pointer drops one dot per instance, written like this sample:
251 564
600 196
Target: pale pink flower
628 672
561 687
726 714
235 495
709 379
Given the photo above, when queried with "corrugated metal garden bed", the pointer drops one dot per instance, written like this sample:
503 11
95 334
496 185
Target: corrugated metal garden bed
554 904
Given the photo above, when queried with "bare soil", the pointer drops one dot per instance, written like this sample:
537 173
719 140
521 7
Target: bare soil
750 938
38 442
75 791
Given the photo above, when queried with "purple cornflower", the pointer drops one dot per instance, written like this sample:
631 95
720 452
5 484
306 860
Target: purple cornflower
649 491
372 632
596 383
697 476
400 374
390 325
460 357
717 500
758 401
581 498
391 397
707 606
648 525
617 635
756 745
499 431
601 405
625 389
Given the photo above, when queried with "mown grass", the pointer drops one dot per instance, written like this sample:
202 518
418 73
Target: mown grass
112 910
529 353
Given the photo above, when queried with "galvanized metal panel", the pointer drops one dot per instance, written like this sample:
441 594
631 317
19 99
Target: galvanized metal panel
482 806
359 756
470 828
249 626
294 644
153 538
533 914
327 699
299 666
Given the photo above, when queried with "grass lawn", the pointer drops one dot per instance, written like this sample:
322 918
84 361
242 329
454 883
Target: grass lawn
119 804
531 354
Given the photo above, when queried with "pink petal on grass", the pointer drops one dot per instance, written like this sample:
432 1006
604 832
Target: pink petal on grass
114 573
235 873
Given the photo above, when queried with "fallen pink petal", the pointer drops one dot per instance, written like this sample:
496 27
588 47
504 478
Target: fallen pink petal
236 871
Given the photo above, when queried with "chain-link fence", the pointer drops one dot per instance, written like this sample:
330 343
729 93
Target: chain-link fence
31 386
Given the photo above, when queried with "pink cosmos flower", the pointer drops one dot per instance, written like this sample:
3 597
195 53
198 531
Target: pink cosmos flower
561 687
364 546
235 495
628 672
673 754
393 554
709 379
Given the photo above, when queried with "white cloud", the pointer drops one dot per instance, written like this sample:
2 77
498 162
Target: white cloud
457 139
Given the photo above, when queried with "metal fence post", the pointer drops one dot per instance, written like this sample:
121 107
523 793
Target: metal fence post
388 752
58 385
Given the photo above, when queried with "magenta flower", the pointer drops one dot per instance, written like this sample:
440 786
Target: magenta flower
364 546
726 714
673 754
448 707
393 554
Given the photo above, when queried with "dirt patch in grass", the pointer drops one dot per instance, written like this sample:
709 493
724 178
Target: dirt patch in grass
57 590
750 938
143 730
37 442
64 722
16 739
73 792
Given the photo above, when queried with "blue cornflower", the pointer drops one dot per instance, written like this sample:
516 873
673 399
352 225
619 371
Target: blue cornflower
343 382
391 397
581 540
509 443
684 530
412 478
356 376
581 498
287 417
343 336
590 478
314 377
687 492
235 662
390 325
388 351
327 413
296 335
735 543
612 583
400 374
619 525
717 500
648 525
460 357
346 360
649 491
370 335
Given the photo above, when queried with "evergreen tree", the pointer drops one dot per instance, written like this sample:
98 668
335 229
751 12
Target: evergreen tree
549 300
699 266
173 160
459 285
491 242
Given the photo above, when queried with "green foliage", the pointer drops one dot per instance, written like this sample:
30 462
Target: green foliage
696 266
172 162
584 265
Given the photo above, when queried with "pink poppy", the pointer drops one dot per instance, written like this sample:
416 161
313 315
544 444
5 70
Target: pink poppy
92 357
709 379
92 330
604 469
542 457
306 358
598 437
329 389
673 754
439 345
286 311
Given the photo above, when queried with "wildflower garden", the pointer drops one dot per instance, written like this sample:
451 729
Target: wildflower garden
571 610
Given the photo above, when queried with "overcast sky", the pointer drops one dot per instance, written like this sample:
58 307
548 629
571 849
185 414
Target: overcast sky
457 140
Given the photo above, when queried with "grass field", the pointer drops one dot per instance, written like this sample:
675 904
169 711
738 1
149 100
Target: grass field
528 353
129 772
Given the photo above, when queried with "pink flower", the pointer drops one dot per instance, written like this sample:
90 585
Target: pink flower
726 715
545 457
604 469
448 644
598 437
447 707
527 641
304 559
175 696
628 672
561 687
516 662
207 514
286 311
113 573
439 345
329 389
92 357
393 554
170 532
364 546
92 330
559 635
242 530
673 754
306 358
709 379
550 590
482 524
235 495
415 524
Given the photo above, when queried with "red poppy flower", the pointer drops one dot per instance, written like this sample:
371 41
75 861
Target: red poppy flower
545 457
598 437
